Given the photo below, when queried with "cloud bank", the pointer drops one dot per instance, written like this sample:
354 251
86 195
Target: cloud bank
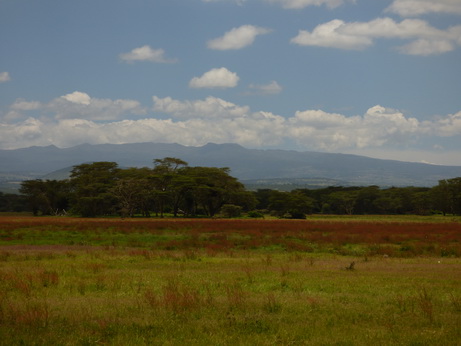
77 118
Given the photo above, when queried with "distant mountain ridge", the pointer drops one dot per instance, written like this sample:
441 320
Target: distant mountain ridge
254 165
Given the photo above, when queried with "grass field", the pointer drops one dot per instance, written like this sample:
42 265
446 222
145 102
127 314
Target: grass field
66 281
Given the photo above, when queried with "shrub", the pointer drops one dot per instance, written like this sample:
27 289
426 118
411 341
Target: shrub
231 210
255 214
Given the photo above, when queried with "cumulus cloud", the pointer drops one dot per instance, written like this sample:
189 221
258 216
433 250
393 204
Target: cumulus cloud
4 77
76 105
237 38
146 53
211 107
81 105
426 47
196 122
24 105
427 40
413 8
215 78
298 4
331 35
265 89
78 98
448 126
329 131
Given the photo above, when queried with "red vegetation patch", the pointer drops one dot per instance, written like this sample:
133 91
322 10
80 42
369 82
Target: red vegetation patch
293 235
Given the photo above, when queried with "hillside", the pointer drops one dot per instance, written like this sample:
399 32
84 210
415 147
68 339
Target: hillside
262 168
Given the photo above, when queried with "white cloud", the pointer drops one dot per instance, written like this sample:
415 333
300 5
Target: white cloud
266 89
4 77
22 134
298 4
329 131
81 105
388 28
330 35
413 8
215 78
76 105
449 126
212 119
23 105
78 98
427 40
146 53
427 47
211 107
237 38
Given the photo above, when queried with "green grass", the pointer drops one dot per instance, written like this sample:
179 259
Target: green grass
65 283
131 297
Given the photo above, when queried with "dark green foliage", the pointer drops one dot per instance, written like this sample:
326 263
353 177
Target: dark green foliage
293 205
173 187
50 197
447 195
91 186
231 210
101 188
10 202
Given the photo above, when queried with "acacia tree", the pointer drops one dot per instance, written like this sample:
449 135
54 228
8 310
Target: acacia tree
133 190
294 204
166 182
447 196
343 201
212 188
92 185
46 197
35 193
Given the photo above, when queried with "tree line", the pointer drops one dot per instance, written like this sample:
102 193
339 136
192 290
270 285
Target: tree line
173 187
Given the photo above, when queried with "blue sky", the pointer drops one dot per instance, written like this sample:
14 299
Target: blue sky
376 78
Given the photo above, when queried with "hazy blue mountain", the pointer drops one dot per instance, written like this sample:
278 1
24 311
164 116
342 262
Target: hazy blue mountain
257 167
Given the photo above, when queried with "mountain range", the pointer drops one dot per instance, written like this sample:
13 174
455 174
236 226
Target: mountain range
256 168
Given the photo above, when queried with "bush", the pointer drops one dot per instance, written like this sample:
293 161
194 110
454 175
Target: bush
255 214
231 210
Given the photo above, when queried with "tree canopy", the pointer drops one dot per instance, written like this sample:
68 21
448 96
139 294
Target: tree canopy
173 187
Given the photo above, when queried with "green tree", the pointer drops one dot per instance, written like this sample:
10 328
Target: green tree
440 197
343 201
35 193
11 202
212 188
168 182
294 204
134 191
366 196
46 197
92 185
448 195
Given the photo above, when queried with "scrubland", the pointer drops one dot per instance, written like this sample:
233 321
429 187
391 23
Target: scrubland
68 281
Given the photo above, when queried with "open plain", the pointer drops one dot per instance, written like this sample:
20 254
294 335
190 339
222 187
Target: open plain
321 281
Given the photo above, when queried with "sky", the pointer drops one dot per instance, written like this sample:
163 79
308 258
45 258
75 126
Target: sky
379 78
